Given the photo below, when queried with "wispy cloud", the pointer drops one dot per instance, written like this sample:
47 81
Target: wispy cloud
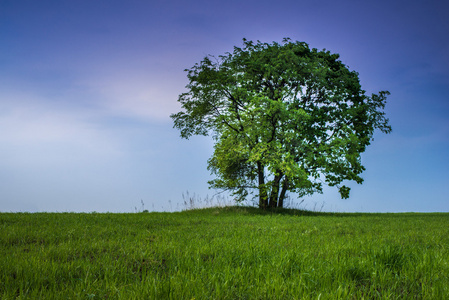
137 95
32 126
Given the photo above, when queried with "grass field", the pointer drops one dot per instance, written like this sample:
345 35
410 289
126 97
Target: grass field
224 253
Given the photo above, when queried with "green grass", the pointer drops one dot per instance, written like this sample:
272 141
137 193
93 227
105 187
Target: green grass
224 253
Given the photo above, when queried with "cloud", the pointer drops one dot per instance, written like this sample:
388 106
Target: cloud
43 132
137 96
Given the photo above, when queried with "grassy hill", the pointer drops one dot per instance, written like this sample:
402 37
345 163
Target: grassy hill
224 253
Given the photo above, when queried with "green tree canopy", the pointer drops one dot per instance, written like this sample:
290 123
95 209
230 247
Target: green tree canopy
285 118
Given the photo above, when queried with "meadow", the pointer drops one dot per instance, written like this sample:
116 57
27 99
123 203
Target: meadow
224 253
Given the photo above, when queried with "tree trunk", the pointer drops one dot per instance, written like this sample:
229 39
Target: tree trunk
263 197
283 192
275 190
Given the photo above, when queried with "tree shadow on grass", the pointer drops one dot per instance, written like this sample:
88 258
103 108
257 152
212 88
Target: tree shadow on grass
251 210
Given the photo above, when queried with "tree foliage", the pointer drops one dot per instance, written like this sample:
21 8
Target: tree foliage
285 118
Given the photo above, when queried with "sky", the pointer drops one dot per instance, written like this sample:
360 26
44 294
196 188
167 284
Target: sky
87 87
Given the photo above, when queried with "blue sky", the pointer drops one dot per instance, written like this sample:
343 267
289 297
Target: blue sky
87 87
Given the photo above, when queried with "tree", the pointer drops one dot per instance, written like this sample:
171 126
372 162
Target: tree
285 118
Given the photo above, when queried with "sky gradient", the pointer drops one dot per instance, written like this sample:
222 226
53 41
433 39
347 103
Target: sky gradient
87 87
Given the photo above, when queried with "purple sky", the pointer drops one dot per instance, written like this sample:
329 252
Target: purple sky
87 87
